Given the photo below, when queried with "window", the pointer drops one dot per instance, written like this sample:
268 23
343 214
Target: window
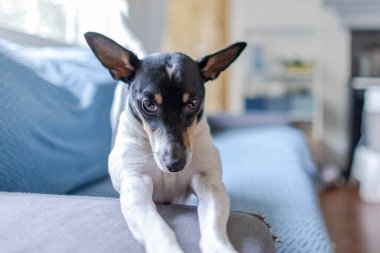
65 20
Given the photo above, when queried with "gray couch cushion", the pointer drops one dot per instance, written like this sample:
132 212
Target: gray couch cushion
52 223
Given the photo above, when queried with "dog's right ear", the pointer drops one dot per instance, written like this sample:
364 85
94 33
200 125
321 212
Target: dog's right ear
121 62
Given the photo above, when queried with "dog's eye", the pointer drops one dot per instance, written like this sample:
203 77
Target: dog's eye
192 105
149 106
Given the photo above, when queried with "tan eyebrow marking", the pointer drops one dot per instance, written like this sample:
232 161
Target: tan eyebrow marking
185 97
188 135
186 138
158 98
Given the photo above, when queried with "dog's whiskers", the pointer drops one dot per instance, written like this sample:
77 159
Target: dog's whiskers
152 161
149 155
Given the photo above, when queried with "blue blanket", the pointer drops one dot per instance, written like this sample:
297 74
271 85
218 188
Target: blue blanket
269 170
53 137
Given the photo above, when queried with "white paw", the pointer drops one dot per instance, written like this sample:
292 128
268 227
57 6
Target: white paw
164 248
217 248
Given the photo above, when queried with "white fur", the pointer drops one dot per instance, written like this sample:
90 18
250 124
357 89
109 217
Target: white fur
141 184
169 70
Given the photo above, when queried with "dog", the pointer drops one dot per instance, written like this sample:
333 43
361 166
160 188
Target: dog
162 149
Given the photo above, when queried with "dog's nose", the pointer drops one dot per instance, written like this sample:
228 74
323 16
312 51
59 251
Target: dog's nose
174 157
175 162
176 166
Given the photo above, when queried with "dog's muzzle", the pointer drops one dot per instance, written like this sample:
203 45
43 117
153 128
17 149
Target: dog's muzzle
170 152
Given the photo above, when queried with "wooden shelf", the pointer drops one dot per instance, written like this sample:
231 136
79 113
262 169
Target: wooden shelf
304 117
291 78
362 83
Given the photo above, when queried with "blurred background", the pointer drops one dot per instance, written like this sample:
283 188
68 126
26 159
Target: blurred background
301 62
315 63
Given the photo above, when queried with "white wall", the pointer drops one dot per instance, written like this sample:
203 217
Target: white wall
147 20
336 61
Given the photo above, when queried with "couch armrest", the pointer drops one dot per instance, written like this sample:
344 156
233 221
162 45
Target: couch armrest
53 223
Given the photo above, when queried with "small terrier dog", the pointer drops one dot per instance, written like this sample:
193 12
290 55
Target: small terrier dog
162 148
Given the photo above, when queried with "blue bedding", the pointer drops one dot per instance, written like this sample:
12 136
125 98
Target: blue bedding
52 140
269 170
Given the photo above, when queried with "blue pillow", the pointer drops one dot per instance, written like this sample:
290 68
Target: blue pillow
49 141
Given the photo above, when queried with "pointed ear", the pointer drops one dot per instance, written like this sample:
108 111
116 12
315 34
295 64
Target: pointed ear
212 65
121 62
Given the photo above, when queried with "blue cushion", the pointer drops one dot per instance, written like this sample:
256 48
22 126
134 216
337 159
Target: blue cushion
50 142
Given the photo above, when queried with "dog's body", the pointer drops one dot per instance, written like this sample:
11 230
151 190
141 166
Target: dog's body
162 148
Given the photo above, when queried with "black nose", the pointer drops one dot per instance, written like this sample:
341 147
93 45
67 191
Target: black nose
176 166
175 161
174 157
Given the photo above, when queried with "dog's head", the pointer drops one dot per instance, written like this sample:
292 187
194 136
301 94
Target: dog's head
166 93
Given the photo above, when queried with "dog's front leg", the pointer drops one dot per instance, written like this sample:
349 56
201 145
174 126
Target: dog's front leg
140 212
213 212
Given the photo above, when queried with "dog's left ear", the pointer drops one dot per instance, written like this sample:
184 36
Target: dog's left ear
121 62
211 65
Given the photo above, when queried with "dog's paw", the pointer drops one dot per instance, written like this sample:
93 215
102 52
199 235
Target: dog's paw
218 250
217 247
164 248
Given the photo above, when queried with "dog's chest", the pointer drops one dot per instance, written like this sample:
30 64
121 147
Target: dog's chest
170 187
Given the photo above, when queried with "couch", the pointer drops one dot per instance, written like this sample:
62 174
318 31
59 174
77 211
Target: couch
56 195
